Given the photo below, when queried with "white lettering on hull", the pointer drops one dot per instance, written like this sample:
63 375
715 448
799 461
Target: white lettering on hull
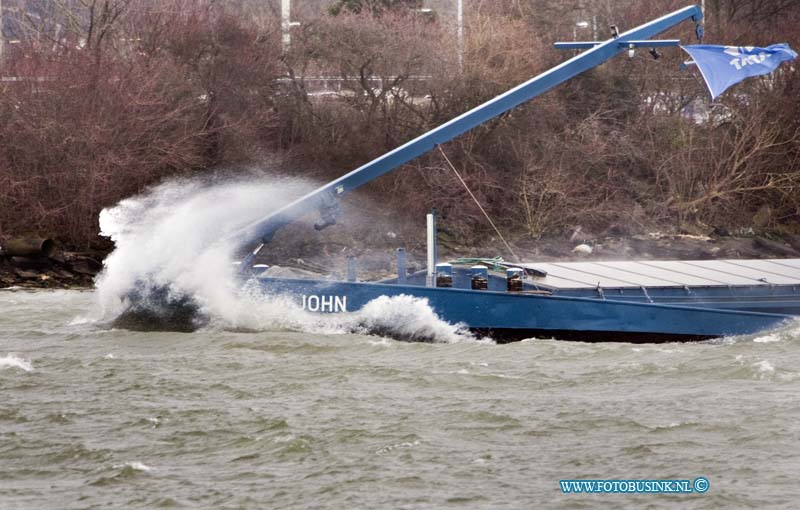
325 304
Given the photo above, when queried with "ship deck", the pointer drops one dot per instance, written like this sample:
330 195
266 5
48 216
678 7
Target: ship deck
666 273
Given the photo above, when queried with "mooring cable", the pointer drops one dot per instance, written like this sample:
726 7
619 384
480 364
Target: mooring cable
508 246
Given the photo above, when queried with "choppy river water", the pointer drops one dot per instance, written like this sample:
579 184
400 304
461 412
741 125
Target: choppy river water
92 417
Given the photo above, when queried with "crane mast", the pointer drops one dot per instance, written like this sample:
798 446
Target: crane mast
325 198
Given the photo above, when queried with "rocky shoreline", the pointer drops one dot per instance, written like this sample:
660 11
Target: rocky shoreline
77 270
60 270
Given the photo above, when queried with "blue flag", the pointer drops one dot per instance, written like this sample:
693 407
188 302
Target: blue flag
723 66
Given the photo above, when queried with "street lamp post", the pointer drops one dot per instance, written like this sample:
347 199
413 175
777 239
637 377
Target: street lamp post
578 24
2 40
286 17
460 32
705 14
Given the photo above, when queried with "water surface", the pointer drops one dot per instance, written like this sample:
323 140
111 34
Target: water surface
284 418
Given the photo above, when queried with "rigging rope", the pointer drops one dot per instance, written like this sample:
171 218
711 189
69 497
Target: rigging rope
508 246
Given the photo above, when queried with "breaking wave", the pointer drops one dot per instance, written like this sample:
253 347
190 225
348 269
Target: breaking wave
407 317
174 240
12 361
133 466
400 317
787 332
173 246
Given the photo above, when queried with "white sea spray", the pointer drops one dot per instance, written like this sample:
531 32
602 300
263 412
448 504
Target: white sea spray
177 238
12 361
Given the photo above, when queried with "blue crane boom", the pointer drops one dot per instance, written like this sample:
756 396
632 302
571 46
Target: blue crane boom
597 52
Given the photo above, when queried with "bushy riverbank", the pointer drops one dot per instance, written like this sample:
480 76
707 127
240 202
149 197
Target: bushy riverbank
133 97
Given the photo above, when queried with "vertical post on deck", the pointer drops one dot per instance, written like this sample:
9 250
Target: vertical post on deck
352 271
402 268
432 255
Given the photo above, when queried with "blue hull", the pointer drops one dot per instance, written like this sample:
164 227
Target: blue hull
514 316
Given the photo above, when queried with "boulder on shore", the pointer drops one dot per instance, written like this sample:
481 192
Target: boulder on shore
58 270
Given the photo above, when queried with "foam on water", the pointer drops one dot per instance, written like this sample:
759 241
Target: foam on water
787 332
177 237
12 361
764 367
767 339
134 466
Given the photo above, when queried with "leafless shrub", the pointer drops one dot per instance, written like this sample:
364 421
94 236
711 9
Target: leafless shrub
118 94
152 90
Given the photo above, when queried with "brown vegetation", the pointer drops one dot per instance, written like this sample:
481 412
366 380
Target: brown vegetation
137 90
